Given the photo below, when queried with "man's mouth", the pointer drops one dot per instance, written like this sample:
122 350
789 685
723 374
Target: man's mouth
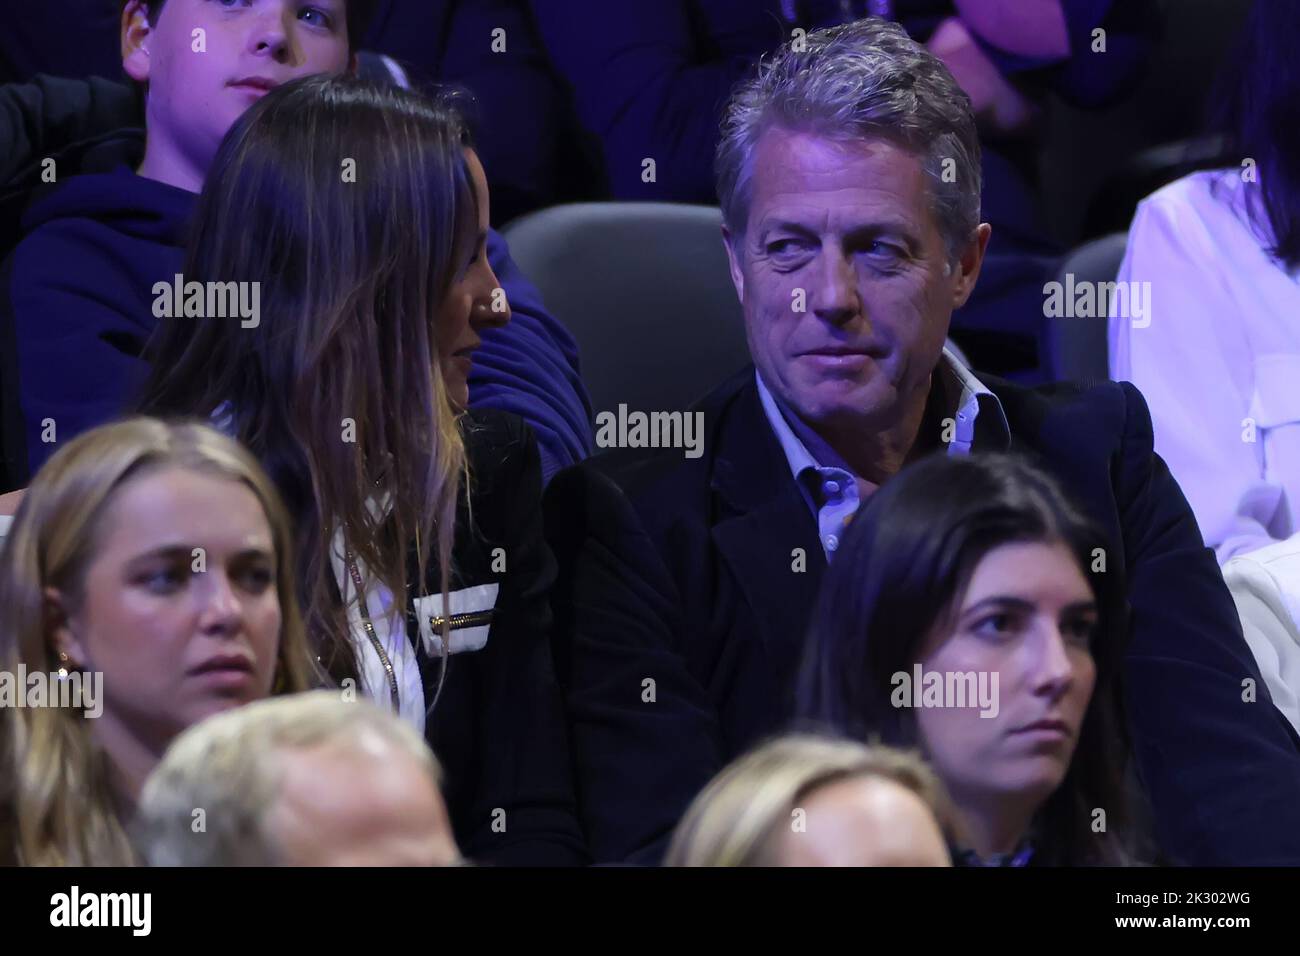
254 84
840 358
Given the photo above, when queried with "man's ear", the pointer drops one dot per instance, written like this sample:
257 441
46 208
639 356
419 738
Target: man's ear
135 40
58 627
354 65
969 264
733 262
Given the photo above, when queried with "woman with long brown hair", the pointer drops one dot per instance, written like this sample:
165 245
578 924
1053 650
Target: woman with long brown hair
355 216
147 583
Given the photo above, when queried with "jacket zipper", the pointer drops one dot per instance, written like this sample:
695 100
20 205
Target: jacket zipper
457 621
374 638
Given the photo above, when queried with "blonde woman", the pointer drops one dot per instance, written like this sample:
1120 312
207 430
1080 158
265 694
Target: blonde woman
815 801
150 567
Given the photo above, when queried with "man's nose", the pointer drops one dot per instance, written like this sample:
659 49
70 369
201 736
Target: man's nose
270 34
835 298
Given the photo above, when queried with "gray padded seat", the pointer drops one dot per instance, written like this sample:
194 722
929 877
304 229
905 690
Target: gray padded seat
1078 346
645 290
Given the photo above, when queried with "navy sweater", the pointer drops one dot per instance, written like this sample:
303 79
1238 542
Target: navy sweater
78 292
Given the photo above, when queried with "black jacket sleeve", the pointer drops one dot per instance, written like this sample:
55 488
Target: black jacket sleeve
40 118
520 806
1221 764
644 734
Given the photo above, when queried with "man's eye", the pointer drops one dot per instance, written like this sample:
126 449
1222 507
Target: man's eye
319 17
884 250
786 248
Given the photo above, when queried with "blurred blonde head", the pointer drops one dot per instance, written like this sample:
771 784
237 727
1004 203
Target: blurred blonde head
747 815
239 765
56 803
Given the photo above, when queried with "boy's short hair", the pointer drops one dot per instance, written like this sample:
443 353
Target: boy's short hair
358 13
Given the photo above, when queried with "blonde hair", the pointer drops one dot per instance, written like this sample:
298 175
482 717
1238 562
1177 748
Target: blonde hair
228 765
734 820
56 804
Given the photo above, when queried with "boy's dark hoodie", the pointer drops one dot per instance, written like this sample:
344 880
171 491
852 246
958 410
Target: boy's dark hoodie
77 294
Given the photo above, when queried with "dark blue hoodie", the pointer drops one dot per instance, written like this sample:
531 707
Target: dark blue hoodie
79 292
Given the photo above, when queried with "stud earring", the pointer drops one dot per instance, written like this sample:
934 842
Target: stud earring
63 666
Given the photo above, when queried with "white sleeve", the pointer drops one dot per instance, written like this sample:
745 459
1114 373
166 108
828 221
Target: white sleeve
1268 622
1191 360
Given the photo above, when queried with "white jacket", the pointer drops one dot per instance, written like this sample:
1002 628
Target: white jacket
1266 586
1217 358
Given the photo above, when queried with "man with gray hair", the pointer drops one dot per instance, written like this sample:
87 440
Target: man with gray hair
849 178
302 780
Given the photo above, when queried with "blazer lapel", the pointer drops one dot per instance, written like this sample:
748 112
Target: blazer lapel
766 533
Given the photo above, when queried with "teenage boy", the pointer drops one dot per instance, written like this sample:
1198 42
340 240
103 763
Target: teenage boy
77 291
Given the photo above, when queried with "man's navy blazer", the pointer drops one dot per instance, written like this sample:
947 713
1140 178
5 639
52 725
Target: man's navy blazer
1220 764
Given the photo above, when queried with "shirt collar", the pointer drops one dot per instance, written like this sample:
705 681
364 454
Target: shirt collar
973 397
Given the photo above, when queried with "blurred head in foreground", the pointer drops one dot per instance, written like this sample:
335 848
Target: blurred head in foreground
307 780
813 801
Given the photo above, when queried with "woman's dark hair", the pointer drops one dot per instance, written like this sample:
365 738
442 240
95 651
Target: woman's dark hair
1256 107
350 206
901 570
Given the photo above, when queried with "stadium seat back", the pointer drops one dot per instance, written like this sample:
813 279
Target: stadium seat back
645 290
1077 345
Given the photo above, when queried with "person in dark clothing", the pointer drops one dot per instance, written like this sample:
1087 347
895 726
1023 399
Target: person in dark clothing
651 78
644 732
424 573
534 149
843 394
62 38
77 334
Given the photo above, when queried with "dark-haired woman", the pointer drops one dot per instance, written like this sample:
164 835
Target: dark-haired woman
961 616
359 215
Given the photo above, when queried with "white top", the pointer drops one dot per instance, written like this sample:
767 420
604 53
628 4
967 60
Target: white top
5 522
389 622
1217 357
1266 585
